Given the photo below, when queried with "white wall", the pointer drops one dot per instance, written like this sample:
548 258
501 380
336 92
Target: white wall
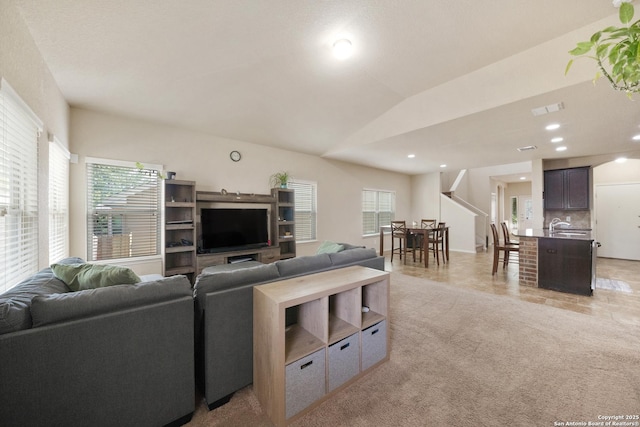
617 173
425 197
205 159
22 66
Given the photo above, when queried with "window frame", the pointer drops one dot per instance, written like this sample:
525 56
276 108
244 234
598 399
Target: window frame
20 131
300 206
156 207
59 157
376 211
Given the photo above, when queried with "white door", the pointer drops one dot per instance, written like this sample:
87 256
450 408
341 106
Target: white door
525 212
618 220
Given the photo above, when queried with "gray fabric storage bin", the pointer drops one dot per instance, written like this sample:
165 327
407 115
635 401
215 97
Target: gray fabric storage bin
374 344
344 361
304 382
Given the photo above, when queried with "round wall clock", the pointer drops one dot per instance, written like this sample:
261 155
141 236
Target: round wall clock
235 156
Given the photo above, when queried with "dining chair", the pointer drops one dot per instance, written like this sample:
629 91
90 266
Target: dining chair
399 232
428 223
505 248
436 242
424 224
506 235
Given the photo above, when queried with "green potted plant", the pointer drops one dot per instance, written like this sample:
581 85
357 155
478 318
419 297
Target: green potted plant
616 51
280 179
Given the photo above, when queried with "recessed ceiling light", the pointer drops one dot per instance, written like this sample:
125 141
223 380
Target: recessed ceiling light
561 148
621 159
342 49
523 178
552 126
557 139
443 165
411 156
636 137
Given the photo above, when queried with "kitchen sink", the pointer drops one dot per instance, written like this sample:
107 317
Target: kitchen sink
569 233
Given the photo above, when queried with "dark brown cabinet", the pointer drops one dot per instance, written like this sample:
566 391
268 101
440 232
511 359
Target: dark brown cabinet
566 189
565 265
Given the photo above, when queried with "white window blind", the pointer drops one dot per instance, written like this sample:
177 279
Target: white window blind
305 206
19 132
123 218
378 208
58 201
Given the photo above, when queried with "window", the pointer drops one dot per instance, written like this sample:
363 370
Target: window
123 210
378 208
19 132
58 201
305 201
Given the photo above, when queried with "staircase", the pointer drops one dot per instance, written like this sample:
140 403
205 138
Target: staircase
468 223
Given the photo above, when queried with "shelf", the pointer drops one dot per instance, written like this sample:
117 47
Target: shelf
179 205
212 196
171 227
340 329
178 249
179 225
179 270
330 343
299 343
371 318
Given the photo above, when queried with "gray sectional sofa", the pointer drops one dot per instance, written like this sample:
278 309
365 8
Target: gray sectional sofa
116 356
130 355
224 314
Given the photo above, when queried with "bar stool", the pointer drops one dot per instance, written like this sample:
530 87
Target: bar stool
505 248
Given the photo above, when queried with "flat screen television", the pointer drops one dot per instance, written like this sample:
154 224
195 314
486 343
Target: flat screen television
228 229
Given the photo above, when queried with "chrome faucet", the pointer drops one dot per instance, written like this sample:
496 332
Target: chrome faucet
555 222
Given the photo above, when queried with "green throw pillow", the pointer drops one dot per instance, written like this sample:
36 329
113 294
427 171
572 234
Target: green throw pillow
79 277
329 248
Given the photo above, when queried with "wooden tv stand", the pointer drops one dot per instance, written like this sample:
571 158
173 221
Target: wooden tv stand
265 255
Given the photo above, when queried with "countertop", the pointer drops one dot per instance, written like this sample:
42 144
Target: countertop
559 233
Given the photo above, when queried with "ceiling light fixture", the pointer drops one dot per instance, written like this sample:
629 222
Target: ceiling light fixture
342 49
443 166
553 126
621 159
557 139
411 156
563 148
636 137
523 178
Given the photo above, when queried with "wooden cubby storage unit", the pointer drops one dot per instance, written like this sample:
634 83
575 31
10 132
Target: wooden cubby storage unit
284 222
314 334
180 228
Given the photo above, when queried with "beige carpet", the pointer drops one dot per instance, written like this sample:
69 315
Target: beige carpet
466 358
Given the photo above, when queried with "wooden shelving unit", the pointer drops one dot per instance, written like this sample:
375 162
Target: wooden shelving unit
333 341
283 222
179 228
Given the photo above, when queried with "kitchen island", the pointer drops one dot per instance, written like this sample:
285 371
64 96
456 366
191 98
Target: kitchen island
563 260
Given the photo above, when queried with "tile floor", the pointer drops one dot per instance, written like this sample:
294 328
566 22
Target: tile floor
473 271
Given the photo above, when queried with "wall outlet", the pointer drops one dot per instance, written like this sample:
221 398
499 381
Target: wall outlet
568 219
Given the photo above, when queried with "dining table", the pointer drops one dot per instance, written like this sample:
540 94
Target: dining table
424 232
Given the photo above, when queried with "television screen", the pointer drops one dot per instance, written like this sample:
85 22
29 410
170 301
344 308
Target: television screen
231 228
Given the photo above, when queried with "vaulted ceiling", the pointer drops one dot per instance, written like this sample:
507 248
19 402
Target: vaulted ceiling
451 82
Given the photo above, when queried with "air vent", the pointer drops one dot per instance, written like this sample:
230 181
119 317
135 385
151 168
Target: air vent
551 108
528 148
